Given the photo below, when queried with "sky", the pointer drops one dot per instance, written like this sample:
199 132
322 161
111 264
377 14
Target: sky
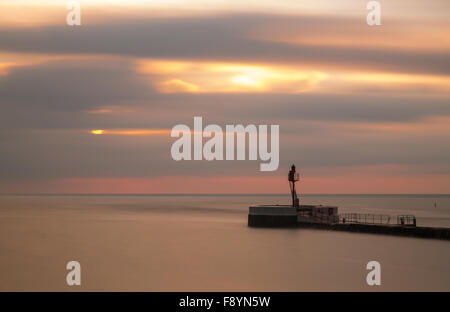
361 109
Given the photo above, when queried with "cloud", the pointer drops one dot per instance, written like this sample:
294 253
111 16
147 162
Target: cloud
47 111
72 85
97 94
32 154
58 94
223 37
178 86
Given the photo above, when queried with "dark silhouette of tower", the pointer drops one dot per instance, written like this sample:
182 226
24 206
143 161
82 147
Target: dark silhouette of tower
293 177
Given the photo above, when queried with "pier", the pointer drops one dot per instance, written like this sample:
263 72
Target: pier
328 218
396 230
284 216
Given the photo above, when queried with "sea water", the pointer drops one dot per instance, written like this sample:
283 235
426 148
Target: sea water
203 243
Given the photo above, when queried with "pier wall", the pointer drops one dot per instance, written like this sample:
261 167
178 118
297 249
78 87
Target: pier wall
411 231
272 221
272 216
287 216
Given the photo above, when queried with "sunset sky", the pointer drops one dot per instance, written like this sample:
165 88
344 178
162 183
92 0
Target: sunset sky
361 109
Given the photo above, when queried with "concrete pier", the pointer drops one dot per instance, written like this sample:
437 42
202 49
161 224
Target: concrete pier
283 216
396 230
272 216
328 218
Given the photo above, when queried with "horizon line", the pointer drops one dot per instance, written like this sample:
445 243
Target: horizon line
220 194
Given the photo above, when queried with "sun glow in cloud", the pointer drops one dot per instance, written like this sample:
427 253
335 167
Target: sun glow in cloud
244 80
147 132
212 77
132 132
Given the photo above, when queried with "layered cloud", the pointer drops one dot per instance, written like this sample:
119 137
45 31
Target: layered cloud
239 37
90 108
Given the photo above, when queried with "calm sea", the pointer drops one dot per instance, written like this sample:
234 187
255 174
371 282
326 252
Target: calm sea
189 243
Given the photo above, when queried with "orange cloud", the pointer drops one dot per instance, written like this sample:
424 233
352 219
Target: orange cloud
133 132
178 86
183 76
5 68
219 77
429 35
109 110
437 125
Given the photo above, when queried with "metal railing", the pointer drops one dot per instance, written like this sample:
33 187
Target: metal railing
357 218
364 218
406 220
